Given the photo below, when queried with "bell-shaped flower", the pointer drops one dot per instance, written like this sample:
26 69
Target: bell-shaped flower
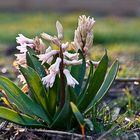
71 81
21 58
49 79
55 67
22 48
21 39
73 62
95 63
71 56
47 56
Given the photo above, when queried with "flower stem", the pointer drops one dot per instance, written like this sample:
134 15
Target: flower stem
62 78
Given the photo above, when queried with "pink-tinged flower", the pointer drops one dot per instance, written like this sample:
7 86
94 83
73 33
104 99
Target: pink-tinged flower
55 67
95 63
70 80
49 79
41 46
73 62
72 56
47 56
22 48
21 39
83 38
21 78
21 58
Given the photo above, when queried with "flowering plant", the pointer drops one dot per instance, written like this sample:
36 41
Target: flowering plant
55 88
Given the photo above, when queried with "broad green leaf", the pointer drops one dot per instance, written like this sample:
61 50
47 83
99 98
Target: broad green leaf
77 114
73 95
52 97
36 87
106 85
53 94
95 82
78 72
62 115
34 63
21 100
17 118
81 96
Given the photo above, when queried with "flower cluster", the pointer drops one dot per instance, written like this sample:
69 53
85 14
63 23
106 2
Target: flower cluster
83 40
24 42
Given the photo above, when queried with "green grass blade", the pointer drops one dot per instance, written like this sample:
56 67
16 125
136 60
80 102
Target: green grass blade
106 84
95 82
17 118
21 100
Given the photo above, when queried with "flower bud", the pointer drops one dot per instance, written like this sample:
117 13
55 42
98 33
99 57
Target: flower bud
59 28
47 37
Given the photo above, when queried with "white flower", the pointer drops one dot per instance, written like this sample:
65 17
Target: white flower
21 39
49 80
55 67
21 58
22 48
71 56
73 62
47 56
70 80
83 38
95 63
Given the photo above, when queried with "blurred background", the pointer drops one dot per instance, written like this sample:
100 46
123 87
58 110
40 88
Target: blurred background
117 28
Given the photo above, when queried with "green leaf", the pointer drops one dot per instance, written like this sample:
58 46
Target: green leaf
53 94
106 84
78 72
95 82
21 100
81 96
73 96
17 118
62 115
38 92
77 114
34 63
